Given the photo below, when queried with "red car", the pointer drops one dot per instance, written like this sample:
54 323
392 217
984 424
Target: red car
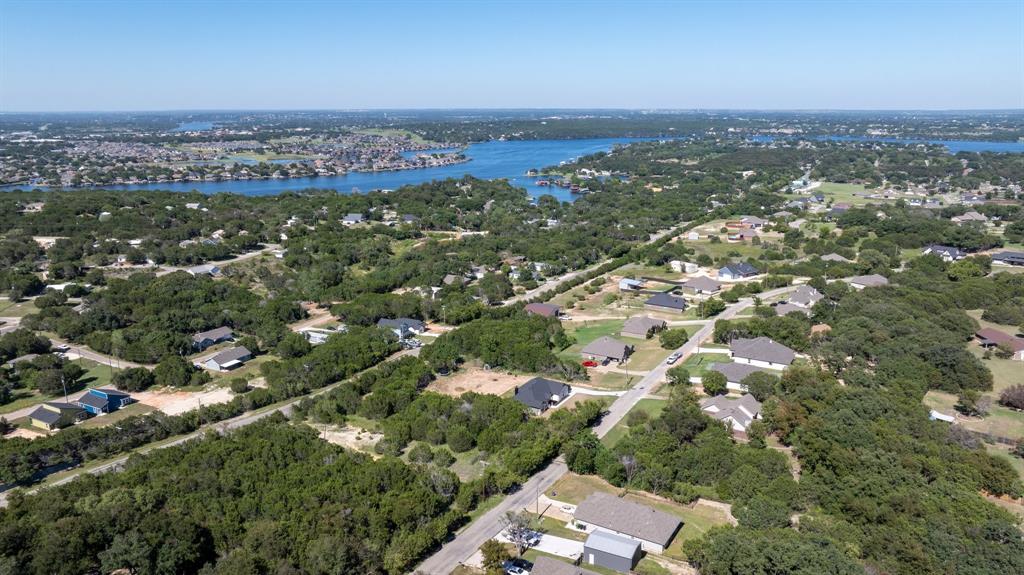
590 363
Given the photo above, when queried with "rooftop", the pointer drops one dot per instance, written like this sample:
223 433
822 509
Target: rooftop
611 512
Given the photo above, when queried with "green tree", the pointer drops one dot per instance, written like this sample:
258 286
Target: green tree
673 338
714 383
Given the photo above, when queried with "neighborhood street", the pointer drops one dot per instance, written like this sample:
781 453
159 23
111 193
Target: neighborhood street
488 525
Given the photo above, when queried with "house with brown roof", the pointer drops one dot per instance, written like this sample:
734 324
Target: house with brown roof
542 309
652 528
701 285
990 338
873 280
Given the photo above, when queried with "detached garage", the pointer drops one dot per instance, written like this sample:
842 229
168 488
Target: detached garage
611 551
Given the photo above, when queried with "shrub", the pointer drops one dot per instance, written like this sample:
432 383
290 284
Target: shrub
239 385
714 383
133 379
1013 396
673 338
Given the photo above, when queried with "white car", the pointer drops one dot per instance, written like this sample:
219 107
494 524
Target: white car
673 358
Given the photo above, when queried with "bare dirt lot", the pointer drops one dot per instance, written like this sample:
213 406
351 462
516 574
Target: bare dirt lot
478 380
26 433
177 402
353 438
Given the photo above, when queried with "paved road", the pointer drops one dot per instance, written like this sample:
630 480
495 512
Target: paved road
488 525
267 248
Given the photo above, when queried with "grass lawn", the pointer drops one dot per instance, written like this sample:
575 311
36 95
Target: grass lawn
697 520
611 380
647 352
9 308
724 249
698 363
1000 420
465 467
842 193
553 526
96 375
120 414
653 407
1003 450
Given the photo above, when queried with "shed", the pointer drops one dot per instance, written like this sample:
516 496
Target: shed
611 551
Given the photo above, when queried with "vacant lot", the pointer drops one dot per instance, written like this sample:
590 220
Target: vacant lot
176 402
1000 420
350 437
476 379
651 406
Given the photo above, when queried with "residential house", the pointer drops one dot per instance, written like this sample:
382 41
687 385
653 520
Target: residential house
353 219
204 270
403 327
629 284
542 309
98 401
545 565
753 222
737 413
1008 258
834 257
652 528
737 271
27 358
786 308
947 253
228 359
805 296
701 285
762 352
606 349
873 280
742 236
55 415
452 280
969 217
735 373
642 327
611 551
205 339
666 303
989 338
539 394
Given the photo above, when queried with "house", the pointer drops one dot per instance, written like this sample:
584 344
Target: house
873 280
784 309
742 236
98 401
1008 258
611 551
947 253
205 339
642 327
542 309
539 393
805 296
753 222
204 270
545 565
737 413
605 349
55 415
228 359
692 236
735 373
28 357
403 327
319 335
452 279
701 285
737 271
989 338
353 219
968 217
834 257
666 302
651 528
629 284
762 352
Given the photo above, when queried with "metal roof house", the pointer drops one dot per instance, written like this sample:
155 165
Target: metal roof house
539 393
1009 258
542 309
651 528
947 253
761 352
630 284
204 270
545 565
403 327
666 303
605 349
873 280
353 219
103 400
611 551
641 326
205 339
228 359
55 415
737 271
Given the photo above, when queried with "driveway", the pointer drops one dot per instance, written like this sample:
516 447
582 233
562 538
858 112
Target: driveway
560 546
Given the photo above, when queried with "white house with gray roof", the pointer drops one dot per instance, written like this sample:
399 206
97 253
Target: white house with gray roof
605 349
735 373
761 352
873 280
228 359
805 296
738 413
651 528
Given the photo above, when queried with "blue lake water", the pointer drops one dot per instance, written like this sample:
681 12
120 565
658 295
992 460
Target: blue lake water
488 160
193 127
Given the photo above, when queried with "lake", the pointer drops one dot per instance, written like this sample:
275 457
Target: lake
193 127
488 160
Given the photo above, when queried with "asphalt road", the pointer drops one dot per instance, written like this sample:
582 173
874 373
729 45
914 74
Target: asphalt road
465 543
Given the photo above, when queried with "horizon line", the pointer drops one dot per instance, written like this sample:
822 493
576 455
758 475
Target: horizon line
508 109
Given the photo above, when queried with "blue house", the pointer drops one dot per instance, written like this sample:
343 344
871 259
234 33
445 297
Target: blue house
101 400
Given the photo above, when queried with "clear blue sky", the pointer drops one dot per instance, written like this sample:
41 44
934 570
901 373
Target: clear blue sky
275 55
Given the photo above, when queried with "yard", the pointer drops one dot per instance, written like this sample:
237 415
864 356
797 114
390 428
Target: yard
10 308
647 352
698 363
96 375
473 377
697 518
1000 420
842 193
651 406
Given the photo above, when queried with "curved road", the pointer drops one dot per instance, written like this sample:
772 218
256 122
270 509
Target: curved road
487 526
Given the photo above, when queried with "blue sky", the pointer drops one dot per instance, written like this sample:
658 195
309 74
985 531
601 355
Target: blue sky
730 54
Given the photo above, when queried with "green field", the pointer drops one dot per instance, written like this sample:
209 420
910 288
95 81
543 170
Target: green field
653 407
842 193
1000 420
10 308
698 363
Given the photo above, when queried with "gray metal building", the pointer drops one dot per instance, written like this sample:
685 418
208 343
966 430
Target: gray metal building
611 551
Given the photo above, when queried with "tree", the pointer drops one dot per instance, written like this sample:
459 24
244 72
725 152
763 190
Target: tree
972 403
714 383
763 512
1013 396
495 555
678 375
760 384
756 434
173 371
239 385
293 345
133 379
710 307
673 338
516 528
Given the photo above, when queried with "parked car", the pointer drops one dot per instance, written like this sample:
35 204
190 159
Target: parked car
590 363
517 566
63 348
673 358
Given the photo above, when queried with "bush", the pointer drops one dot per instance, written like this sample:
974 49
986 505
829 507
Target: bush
678 375
133 379
459 439
673 338
1013 397
714 383
421 453
239 385
684 493
443 457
